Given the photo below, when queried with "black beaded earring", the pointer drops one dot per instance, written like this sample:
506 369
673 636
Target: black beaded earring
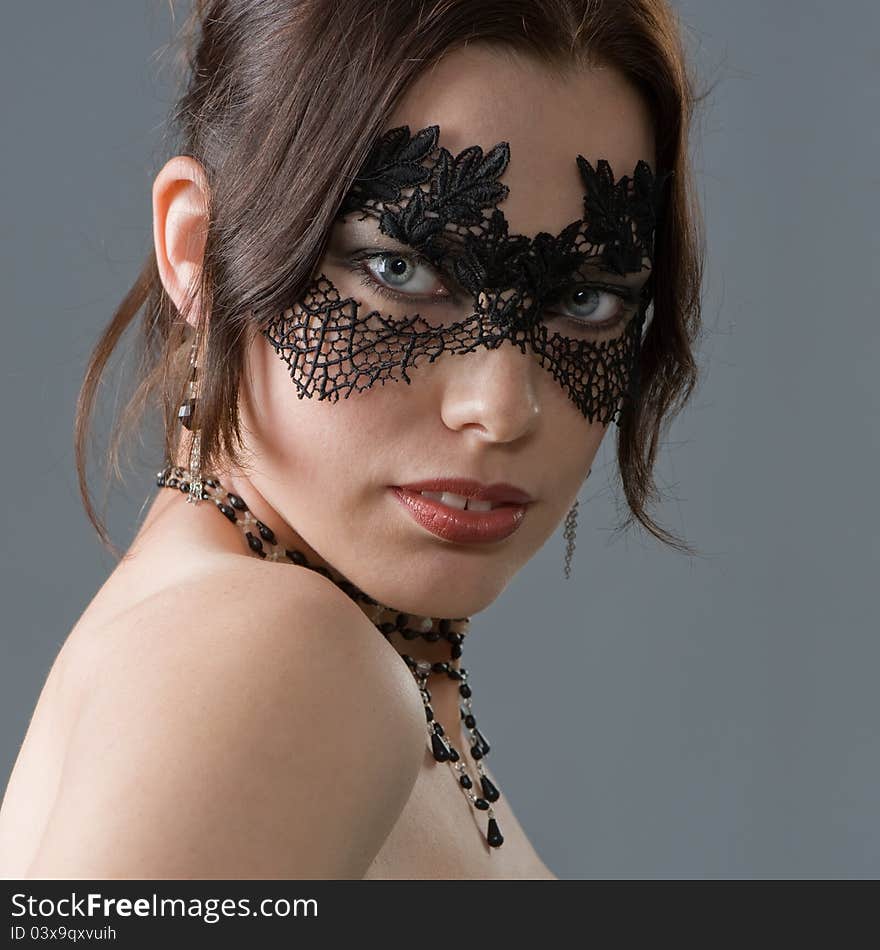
570 533
186 414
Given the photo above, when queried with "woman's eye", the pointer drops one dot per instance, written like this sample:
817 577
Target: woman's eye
590 304
402 273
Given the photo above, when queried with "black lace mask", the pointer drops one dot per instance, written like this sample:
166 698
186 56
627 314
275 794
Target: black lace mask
443 210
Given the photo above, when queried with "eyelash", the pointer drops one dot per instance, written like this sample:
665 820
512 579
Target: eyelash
626 297
367 280
356 264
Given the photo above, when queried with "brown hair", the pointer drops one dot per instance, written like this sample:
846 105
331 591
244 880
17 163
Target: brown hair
283 100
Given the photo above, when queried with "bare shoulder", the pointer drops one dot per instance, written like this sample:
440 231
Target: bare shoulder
251 723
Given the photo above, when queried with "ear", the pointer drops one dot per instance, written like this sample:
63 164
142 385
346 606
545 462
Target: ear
180 225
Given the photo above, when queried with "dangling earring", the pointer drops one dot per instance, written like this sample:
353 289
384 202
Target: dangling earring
570 533
185 414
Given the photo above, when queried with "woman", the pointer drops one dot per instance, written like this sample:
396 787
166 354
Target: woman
371 201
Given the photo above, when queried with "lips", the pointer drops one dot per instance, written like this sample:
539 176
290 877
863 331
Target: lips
458 524
498 492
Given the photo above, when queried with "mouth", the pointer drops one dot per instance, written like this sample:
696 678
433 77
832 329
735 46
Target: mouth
460 518
463 493
462 502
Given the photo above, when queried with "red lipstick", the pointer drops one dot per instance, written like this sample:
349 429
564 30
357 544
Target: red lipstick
460 524
470 488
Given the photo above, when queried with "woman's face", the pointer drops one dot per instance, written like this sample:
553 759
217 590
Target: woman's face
492 414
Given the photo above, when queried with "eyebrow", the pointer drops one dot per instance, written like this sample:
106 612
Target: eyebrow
630 279
367 229
368 232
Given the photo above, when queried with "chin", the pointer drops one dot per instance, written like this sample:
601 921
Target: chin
440 598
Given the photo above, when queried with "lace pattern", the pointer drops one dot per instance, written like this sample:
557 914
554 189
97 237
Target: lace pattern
444 207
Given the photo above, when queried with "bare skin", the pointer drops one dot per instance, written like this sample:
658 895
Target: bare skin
214 715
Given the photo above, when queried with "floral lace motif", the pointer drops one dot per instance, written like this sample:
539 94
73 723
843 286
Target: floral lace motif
444 207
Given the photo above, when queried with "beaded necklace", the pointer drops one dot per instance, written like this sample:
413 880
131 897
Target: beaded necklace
264 544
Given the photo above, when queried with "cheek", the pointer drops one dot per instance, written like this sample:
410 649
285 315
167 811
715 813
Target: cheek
572 439
578 446
575 444
286 434
265 403
316 441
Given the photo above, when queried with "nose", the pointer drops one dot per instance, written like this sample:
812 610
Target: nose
492 391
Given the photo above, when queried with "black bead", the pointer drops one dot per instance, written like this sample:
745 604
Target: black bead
453 755
236 502
454 674
439 667
444 626
455 651
465 690
387 627
469 721
489 790
297 557
439 747
255 543
401 621
484 746
493 835
171 483
185 412
211 483
160 480
454 638
465 781
439 729
476 752
481 803
229 512
410 634
429 713
184 487
266 533
432 636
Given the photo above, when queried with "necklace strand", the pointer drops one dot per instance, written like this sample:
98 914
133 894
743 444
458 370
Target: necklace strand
387 620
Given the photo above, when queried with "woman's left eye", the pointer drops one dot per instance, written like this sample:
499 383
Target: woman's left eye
400 272
592 305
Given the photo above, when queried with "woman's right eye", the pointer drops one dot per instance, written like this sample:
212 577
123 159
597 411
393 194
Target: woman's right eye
404 274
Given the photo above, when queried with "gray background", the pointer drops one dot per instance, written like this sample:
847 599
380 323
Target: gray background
708 717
